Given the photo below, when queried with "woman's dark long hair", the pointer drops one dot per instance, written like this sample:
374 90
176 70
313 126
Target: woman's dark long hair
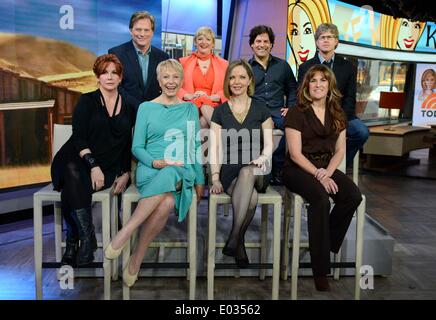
333 101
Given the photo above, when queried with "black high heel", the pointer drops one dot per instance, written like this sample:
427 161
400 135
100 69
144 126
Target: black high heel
241 257
229 251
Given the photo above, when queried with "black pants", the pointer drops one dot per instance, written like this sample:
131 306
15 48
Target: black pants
76 190
326 230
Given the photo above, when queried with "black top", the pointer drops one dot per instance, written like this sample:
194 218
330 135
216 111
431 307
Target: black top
316 138
242 140
108 138
346 77
132 85
275 83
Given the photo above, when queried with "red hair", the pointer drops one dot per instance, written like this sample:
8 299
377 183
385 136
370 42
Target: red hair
103 61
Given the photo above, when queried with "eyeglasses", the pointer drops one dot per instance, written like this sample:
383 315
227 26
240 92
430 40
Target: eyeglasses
327 37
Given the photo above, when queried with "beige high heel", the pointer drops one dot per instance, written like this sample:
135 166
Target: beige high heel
110 253
129 279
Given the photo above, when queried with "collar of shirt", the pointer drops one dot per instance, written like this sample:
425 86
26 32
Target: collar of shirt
321 58
253 60
139 52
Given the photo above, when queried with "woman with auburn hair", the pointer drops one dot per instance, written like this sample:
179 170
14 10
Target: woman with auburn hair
204 76
97 156
400 33
315 133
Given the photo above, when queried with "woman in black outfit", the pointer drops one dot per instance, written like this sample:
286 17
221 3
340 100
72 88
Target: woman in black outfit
315 133
243 131
97 156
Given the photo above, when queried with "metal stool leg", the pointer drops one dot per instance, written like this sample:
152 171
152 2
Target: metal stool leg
285 248
127 206
58 231
360 222
211 250
192 241
298 202
263 239
37 229
276 250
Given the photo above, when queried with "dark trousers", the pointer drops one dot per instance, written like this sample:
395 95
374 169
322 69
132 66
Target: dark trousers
77 189
326 229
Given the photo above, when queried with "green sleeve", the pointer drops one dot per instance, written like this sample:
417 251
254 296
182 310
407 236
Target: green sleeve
139 144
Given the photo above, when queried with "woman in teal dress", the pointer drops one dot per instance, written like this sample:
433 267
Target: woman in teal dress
166 146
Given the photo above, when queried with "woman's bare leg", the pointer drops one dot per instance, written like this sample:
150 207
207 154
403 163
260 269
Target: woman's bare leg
207 112
143 210
150 228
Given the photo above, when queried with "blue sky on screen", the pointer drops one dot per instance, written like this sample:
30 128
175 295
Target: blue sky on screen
98 25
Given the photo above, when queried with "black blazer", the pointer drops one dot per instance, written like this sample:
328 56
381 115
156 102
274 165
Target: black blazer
132 85
346 75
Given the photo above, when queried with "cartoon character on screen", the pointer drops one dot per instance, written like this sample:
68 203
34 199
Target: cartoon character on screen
304 16
400 33
427 83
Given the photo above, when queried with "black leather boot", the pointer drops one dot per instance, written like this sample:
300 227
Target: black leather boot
72 244
72 241
88 241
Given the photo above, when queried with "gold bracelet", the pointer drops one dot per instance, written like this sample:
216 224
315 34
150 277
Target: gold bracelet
214 173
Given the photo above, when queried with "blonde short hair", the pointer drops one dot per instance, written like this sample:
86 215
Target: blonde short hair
233 65
169 64
205 31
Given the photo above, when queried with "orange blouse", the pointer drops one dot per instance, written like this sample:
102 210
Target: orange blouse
217 70
203 82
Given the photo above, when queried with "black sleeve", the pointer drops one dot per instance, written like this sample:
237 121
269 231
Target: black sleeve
127 155
81 116
349 98
291 87
217 115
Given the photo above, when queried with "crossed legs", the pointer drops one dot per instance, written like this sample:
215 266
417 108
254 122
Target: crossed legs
151 215
244 201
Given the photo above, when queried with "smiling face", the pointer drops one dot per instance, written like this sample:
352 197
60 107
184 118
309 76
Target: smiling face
239 81
262 46
408 34
109 79
318 86
204 44
142 33
169 81
428 82
301 34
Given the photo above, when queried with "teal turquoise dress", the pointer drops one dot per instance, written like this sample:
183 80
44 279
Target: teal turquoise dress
168 132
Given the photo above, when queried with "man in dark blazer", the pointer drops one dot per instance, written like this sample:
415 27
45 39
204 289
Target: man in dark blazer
140 59
326 38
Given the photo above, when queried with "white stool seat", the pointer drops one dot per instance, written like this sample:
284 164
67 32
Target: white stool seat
271 196
47 194
130 196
